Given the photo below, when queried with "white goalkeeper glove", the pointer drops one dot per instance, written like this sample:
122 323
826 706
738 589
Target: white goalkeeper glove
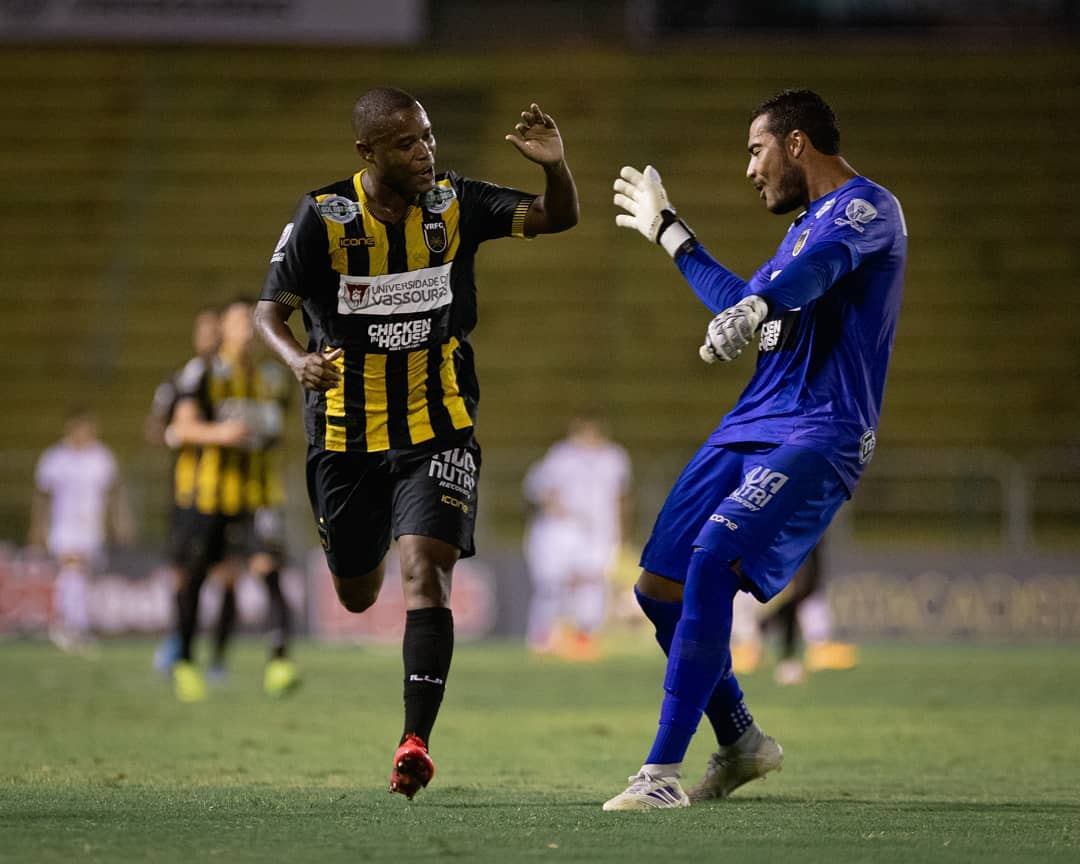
648 209
733 329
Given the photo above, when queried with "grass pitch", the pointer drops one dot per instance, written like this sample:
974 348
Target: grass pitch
950 754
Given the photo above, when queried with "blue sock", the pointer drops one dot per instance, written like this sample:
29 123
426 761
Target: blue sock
699 654
726 711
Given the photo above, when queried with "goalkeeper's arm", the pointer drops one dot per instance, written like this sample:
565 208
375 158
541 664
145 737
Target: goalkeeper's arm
650 212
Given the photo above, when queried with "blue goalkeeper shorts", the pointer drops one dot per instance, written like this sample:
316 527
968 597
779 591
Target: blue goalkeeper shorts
765 505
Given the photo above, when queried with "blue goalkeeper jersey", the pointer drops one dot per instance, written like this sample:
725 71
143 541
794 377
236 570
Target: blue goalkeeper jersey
833 288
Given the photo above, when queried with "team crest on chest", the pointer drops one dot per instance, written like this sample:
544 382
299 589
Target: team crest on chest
353 293
798 247
435 236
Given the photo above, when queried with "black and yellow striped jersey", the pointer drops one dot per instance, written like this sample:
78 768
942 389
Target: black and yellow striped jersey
233 480
399 299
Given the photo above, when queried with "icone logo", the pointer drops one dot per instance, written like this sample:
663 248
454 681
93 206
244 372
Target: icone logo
723 520
455 502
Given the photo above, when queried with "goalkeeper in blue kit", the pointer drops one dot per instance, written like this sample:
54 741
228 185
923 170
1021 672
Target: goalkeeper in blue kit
758 495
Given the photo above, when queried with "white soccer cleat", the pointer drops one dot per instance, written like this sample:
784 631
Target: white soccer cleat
648 792
754 755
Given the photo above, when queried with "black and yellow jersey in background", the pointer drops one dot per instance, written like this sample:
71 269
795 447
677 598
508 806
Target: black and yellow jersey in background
233 480
399 299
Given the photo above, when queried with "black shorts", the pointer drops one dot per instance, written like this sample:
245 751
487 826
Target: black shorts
201 540
360 500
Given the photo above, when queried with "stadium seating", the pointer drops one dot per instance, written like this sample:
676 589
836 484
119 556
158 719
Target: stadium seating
141 184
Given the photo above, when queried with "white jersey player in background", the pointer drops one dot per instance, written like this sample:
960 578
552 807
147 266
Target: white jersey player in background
578 492
77 498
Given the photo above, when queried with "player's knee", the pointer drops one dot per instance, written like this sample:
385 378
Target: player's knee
357 598
657 587
360 593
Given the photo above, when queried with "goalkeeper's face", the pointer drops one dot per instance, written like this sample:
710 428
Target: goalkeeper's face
773 171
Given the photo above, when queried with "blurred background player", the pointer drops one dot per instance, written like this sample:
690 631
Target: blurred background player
578 493
801 621
205 339
78 498
226 424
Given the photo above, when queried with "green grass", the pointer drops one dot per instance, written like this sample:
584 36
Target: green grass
950 753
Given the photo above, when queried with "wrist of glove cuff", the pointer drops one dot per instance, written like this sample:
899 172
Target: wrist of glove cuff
674 234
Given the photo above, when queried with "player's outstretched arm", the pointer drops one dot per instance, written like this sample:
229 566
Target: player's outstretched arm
314 371
537 138
648 211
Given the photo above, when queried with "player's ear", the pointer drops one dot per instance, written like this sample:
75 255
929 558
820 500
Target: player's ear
365 151
796 143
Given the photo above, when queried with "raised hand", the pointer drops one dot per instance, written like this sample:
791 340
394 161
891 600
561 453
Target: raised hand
537 137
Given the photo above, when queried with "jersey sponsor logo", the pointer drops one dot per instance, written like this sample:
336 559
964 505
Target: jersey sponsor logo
769 338
454 470
824 208
395 293
758 488
867 443
338 209
723 520
859 212
798 247
435 236
346 242
438 199
279 250
400 335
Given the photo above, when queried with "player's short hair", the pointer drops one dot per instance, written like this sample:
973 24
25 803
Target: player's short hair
374 107
803 110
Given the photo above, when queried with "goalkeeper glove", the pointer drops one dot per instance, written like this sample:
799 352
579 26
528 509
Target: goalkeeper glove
731 331
648 209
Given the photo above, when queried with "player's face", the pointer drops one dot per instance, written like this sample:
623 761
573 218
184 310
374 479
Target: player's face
775 174
237 327
82 430
206 333
403 154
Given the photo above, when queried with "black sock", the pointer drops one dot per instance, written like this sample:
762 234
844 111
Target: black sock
187 608
426 649
280 625
226 623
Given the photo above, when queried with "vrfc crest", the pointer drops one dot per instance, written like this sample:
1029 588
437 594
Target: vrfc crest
435 236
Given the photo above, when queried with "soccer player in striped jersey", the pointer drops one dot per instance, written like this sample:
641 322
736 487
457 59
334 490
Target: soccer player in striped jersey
758 495
382 265
226 425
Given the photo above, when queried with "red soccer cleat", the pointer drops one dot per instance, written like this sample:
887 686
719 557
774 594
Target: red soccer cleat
413 768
